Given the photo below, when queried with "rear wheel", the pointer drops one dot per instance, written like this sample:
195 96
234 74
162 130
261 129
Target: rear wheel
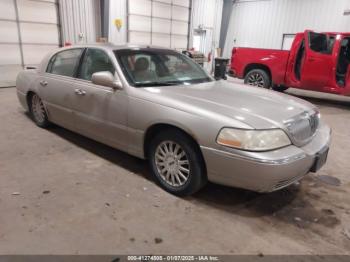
258 78
176 163
37 111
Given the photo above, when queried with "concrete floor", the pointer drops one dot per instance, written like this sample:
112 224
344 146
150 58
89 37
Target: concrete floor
61 193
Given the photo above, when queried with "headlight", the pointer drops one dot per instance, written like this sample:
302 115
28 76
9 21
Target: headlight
253 140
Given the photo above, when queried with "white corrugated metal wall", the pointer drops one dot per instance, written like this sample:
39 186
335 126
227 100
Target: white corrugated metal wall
159 22
80 21
117 10
263 23
207 15
28 29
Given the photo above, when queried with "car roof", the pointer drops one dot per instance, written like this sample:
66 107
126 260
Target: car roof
110 46
106 46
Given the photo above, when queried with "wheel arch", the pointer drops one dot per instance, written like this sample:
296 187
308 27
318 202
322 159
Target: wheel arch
253 66
154 129
29 95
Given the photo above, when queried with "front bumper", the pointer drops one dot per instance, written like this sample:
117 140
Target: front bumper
264 171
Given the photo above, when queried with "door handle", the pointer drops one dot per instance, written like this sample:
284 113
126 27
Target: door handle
79 92
43 83
311 59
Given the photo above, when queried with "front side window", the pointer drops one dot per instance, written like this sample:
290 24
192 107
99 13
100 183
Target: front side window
65 62
95 60
331 42
321 43
159 67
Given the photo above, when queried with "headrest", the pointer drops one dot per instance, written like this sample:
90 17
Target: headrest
141 64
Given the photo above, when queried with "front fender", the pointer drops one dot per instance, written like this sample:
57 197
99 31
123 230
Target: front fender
143 114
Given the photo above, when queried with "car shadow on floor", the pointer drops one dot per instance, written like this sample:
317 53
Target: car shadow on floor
245 202
340 102
124 160
225 198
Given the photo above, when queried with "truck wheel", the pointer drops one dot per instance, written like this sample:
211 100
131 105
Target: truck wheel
259 78
176 163
279 88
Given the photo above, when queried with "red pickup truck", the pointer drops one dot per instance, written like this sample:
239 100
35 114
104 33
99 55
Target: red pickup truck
316 61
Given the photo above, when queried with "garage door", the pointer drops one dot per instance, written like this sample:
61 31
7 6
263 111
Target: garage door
28 30
159 22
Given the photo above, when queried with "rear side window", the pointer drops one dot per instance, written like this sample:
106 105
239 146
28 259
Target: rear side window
321 43
95 60
64 63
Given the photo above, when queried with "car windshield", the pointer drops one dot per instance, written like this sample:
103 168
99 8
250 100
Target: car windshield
158 67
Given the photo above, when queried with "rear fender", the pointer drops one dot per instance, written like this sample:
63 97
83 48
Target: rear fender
26 81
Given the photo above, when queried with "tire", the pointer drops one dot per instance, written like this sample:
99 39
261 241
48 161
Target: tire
279 88
177 143
37 111
258 78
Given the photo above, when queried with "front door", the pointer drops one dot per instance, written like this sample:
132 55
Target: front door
317 68
100 111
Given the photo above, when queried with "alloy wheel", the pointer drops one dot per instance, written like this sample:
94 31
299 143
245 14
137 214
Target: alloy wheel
172 163
38 109
256 79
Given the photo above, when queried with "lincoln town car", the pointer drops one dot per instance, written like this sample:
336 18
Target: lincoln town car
159 105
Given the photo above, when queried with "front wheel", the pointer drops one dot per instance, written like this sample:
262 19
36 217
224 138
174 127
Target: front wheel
177 163
258 78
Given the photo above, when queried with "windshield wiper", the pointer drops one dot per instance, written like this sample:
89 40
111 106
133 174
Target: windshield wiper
166 83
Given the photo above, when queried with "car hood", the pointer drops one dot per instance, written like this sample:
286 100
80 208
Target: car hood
256 107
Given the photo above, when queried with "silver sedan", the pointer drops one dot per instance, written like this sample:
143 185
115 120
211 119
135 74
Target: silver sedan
157 104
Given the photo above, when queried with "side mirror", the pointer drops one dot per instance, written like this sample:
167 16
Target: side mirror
106 78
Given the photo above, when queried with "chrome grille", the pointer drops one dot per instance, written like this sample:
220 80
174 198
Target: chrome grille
303 127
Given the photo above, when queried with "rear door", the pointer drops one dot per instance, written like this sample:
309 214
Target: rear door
317 65
56 86
100 112
342 62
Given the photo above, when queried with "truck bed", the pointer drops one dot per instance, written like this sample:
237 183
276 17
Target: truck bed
243 58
